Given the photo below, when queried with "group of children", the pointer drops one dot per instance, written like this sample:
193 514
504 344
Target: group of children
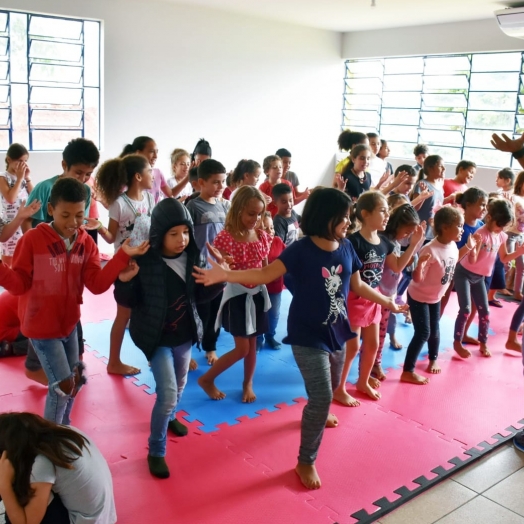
366 241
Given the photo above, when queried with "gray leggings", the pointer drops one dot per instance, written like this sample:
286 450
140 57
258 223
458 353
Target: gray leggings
511 244
321 372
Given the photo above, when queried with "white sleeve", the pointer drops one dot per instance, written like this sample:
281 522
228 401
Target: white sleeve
115 210
43 470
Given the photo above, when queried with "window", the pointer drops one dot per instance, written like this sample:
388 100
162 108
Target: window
49 80
452 103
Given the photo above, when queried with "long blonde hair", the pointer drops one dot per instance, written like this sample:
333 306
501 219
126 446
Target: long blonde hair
240 200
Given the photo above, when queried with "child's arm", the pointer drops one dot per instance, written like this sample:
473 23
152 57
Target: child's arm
398 263
506 144
18 279
362 289
300 196
472 243
24 212
420 270
99 280
506 257
109 233
10 194
178 187
127 286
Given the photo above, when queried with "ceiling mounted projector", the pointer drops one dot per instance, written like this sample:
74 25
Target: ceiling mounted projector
511 21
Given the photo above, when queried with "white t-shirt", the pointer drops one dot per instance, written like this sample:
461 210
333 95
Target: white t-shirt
187 191
125 215
86 490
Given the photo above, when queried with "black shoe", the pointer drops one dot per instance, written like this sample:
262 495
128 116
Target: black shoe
518 441
158 467
272 343
259 343
179 429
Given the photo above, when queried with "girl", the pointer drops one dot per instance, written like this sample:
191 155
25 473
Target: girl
374 251
434 170
230 187
346 141
383 153
164 320
324 265
474 202
402 225
247 173
129 217
15 186
179 182
516 233
377 166
431 278
243 310
464 174
51 473
201 152
478 264
146 146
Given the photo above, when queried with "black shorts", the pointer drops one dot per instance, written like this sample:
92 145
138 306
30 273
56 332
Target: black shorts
234 316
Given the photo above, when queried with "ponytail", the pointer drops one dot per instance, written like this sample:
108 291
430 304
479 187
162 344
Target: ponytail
139 144
243 167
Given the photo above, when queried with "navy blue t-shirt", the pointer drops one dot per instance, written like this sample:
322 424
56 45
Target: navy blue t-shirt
318 312
468 230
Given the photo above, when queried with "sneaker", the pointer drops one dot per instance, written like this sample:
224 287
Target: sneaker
272 343
179 429
6 349
518 441
158 467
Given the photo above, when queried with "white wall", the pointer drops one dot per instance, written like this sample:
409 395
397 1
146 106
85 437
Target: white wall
179 73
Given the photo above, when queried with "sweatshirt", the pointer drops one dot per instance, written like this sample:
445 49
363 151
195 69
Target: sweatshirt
50 280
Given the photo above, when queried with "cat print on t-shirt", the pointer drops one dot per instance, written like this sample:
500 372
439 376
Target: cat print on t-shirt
449 270
333 283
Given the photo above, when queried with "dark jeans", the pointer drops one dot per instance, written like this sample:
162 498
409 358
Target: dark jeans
208 312
426 319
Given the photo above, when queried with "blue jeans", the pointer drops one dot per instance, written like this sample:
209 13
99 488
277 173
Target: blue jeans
170 366
59 359
273 314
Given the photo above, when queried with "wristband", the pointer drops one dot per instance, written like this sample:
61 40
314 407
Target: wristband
100 225
518 154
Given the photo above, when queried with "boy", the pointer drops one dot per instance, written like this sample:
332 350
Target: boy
79 159
421 152
208 211
51 265
286 221
193 180
288 175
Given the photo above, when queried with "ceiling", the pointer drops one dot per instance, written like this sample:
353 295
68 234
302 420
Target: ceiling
358 15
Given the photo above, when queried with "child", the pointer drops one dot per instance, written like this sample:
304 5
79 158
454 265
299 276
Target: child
504 181
51 265
179 182
15 186
201 152
230 186
434 170
383 153
431 278
247 173
377 166
402 225
464 174
129 218
516 234
324 265
193 180
478 264
208 212
286 222
288 175
79 159
51 473
374 251
146 146
161 293
421 152
273 169
243 308
346 141
355 179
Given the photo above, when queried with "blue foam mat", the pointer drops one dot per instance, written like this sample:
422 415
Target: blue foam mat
277 378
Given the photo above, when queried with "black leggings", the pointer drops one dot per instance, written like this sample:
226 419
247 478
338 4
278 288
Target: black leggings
426 319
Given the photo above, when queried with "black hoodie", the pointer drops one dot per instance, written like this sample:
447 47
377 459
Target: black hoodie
146 294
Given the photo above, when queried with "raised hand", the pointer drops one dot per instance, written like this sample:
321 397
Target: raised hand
473 241
135 251
505 143
21 170
340 182
224 261
91 223
424 259
129 272
419 234
25 212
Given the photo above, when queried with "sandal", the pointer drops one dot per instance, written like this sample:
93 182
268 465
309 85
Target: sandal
495 303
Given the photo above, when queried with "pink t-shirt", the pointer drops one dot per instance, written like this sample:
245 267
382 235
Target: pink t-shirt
490 245
450 187
159 182
437 274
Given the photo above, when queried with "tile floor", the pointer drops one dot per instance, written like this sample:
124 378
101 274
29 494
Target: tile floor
487 492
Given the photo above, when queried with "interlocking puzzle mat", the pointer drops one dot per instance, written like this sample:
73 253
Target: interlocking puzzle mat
236 464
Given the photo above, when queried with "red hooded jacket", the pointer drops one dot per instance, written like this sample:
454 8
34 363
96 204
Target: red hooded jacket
9 322
51 280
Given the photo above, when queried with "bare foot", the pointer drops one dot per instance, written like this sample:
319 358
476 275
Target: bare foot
248 395
433 367
368 390
407 318
470 340
211 357
413 378
193 365
332 421
343 397
378 372
374 382
512 345
505 292
37 376
518 296
484 351
210 388
394 343
122 369
308 475
461 350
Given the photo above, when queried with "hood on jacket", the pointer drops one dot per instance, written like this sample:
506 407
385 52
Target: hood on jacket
166 214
